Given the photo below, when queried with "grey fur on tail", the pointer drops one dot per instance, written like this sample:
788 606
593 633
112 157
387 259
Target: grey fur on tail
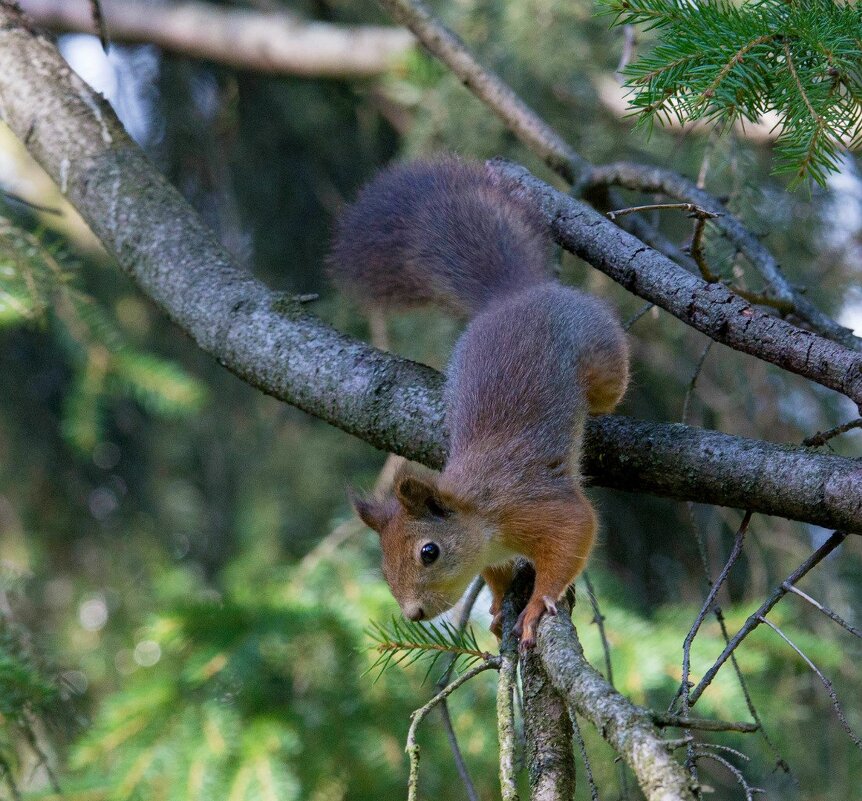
439 231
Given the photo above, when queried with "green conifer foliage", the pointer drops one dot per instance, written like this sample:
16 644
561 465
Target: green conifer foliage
723 61
41 284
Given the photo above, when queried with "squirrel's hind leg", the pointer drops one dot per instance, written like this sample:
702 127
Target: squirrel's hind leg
558 543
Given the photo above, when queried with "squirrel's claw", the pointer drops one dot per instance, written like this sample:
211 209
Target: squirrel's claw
525 628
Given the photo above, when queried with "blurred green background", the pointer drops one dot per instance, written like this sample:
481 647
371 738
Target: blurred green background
184 591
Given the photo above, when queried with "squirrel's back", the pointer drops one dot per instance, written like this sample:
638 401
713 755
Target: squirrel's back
442 231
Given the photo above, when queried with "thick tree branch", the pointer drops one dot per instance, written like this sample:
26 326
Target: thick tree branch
710 308
543 140
549 735
548 730
276 345
656 179
273 42
628 728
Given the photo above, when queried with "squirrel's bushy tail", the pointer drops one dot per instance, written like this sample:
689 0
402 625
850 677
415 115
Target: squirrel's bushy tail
440 231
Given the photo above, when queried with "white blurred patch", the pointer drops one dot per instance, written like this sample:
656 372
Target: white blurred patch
93 613
126 76
843 234
851 312
147 653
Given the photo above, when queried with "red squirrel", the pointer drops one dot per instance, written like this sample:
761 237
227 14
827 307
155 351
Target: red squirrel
535 358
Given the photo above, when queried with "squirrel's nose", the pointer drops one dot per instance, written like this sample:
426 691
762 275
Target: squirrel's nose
414 612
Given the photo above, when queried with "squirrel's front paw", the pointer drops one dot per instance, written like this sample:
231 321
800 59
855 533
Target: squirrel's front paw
525 628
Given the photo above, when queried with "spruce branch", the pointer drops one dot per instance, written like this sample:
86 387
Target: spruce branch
405 642
721 61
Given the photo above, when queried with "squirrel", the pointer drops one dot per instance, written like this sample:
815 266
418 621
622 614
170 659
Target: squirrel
534 359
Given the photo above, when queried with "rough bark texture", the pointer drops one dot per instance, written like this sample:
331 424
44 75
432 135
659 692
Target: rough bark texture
627 727
710 467
548 733
274 42
273 343
558 670
710 308
656 179
548 728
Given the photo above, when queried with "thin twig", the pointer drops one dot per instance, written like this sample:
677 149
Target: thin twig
822 437
506 724
468 602
722 747
99 23
701 724
693 209
826 683
6 773
780 762
637 315
696 250
785 307
750 791
599 620
756 618
735 553
594 791
41 756
825 609
412 748
29 203
629 44
694 376
457 756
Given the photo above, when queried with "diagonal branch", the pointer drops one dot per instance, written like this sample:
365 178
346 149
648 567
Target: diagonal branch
626 727
589 179
758 617
522 120
273 343
710 308
650 179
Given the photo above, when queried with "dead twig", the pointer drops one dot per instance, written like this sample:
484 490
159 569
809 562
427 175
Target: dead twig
756 618
664 720
825 610
822 437
694 210
826 683
412 748
735 553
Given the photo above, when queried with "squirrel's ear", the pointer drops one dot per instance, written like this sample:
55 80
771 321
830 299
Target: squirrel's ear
420 497
373 512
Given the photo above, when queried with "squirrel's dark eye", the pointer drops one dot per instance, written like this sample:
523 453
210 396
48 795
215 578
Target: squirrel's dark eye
429 553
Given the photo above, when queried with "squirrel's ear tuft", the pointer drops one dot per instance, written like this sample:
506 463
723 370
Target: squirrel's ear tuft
420 497
373 512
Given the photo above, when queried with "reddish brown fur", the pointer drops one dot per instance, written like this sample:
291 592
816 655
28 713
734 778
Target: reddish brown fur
535 358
